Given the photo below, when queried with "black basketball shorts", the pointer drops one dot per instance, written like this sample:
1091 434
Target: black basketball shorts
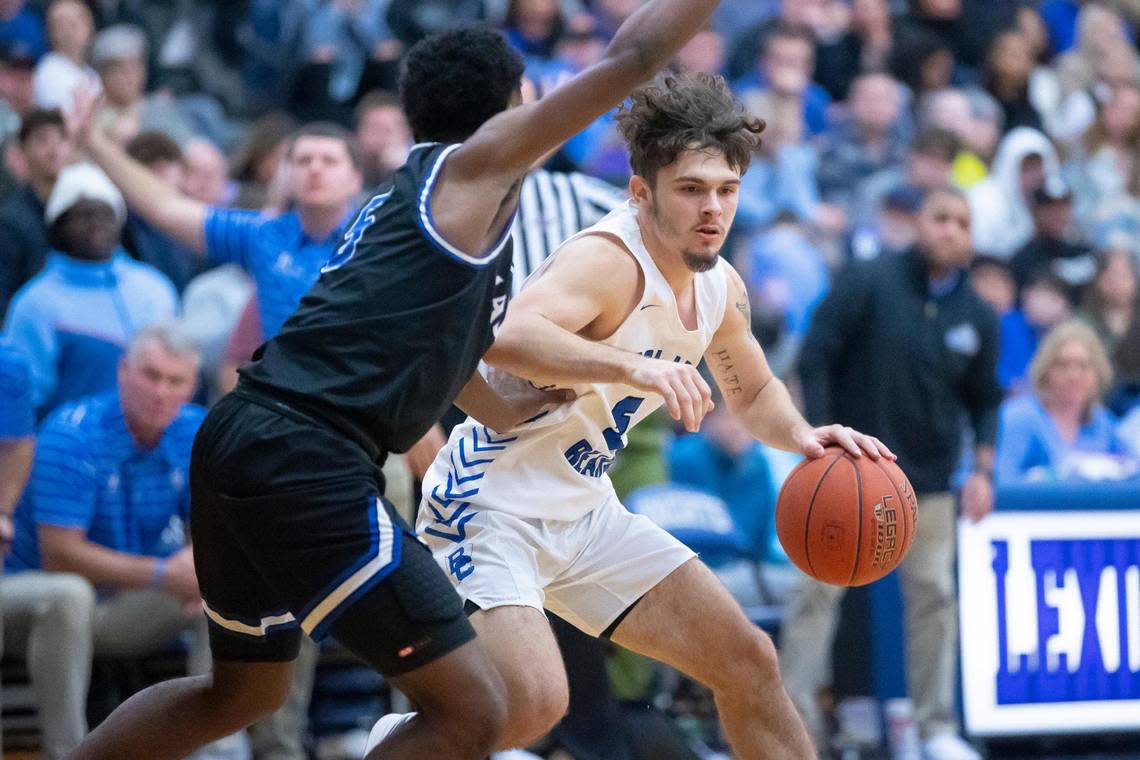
292 535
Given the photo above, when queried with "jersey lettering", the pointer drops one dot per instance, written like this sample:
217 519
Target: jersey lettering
365 219
592 463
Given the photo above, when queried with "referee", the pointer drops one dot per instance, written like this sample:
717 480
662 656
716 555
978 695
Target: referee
553 207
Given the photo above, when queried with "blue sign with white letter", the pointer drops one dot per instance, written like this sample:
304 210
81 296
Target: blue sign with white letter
1050 622
1023 679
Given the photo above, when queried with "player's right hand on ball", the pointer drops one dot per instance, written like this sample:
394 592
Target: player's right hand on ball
687 395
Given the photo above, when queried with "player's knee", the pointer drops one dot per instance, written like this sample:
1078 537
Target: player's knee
749 660
250 692
476 735
471 723
493 713
538 707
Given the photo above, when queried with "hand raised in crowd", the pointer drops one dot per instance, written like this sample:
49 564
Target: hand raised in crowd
80 118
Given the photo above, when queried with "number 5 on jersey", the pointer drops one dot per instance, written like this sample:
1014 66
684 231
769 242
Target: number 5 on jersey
590 462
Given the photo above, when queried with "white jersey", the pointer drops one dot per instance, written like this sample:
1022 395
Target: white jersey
554 466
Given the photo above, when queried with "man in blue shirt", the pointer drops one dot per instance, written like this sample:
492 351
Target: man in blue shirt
74 318
784 69
726 461
17 434
284 253
100 561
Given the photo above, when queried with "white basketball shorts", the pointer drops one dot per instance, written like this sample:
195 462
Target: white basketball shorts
588 571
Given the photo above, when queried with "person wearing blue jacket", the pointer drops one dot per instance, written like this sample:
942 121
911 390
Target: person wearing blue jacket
75 318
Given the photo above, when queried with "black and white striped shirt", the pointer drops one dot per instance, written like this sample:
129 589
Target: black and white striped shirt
553 207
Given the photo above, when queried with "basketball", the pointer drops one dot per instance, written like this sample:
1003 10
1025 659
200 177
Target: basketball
844 520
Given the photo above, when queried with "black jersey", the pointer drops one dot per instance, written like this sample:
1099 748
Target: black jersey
398 321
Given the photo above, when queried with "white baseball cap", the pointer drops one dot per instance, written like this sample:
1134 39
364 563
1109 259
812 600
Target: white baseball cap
83 181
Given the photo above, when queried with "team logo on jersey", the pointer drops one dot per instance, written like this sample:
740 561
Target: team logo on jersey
460 564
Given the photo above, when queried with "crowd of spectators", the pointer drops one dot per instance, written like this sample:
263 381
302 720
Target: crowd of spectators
201 160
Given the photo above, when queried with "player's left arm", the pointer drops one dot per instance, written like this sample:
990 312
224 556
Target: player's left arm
480 400
752 392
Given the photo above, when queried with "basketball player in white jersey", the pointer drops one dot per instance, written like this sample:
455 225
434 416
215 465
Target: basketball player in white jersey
526 519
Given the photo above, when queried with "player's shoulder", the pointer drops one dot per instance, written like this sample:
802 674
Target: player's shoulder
598 257
732 277
734 287
426 158
593 266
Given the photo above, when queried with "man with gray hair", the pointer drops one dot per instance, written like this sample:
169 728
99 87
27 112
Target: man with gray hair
119 54
100 562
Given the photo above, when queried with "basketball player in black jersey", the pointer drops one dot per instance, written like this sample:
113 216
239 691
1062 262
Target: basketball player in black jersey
291 532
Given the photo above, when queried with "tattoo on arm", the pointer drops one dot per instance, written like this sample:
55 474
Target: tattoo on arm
726 371
746 311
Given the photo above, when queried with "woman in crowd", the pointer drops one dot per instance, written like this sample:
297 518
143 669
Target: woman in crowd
1042 432
1106 176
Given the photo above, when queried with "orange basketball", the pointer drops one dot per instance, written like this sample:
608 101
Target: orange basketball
844 520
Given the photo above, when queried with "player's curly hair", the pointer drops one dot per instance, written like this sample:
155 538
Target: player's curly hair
676 113
452 82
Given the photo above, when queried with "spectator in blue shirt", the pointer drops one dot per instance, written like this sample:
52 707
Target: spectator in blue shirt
785 68
874 136
17 439
282 253
726 461
17 434
100 562
20 26
1042 435
1062 17
74 319
1043 305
